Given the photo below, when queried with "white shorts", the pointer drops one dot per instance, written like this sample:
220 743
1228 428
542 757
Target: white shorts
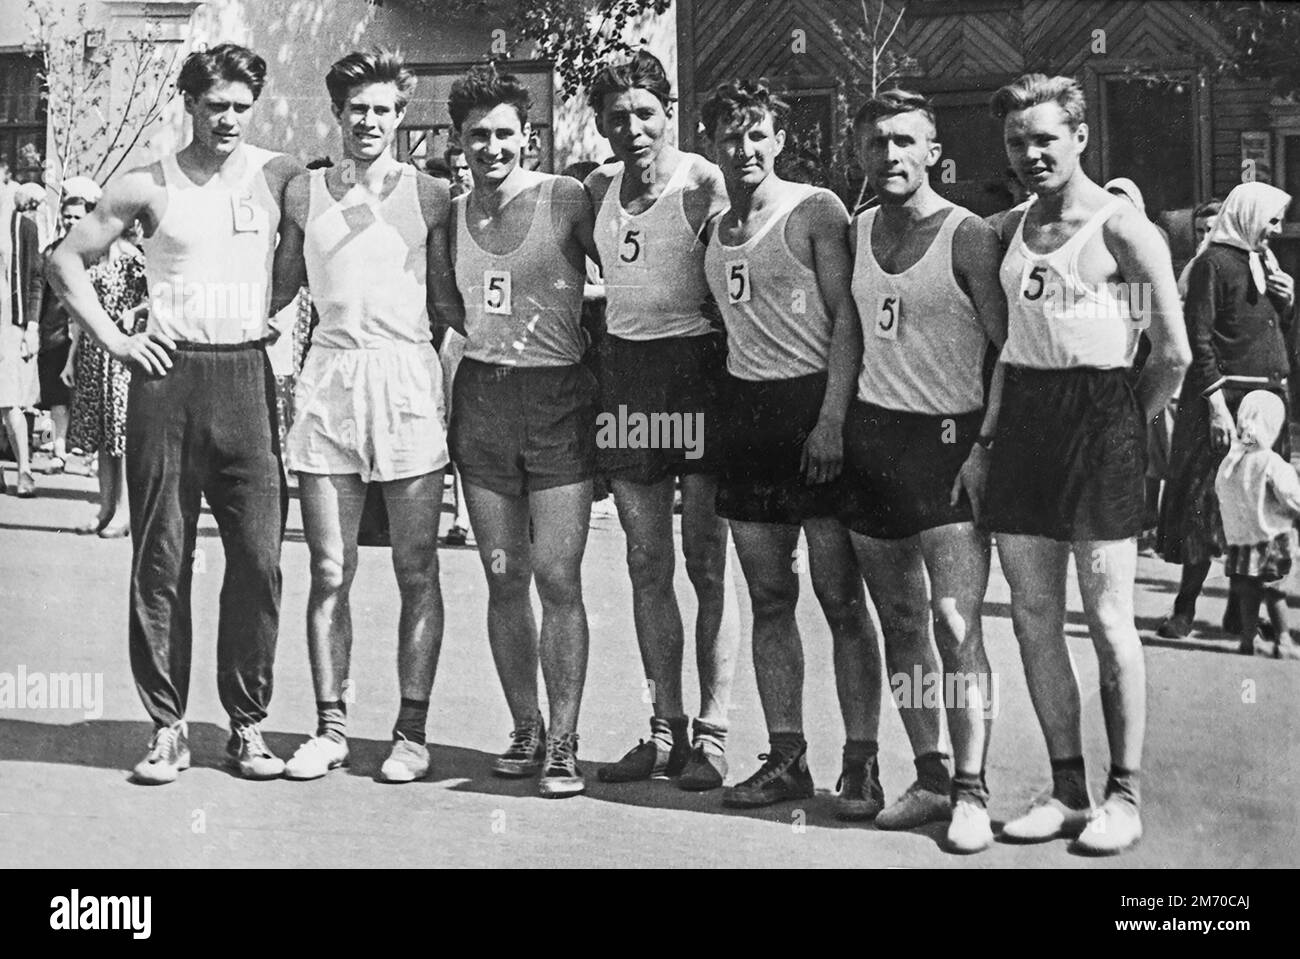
19 384
378 413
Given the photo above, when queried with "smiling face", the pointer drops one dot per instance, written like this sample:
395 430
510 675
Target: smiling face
369 120
494 140
220 115
897 152
636 125
1041 146
746 148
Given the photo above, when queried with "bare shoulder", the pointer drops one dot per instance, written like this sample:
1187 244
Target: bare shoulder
705 175
823 211
1127 230
297 196
599 179
434 196
135 191
975 241
280 168
569 197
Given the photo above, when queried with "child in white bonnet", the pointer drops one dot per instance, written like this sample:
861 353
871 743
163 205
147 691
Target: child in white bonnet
1259 499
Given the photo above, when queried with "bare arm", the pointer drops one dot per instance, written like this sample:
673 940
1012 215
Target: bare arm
446 309
289 269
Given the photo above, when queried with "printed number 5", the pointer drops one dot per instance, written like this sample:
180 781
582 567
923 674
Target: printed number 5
631 240
738 281
496 291
1036 275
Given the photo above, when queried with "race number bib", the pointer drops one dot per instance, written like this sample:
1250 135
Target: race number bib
888 316
738 285
496 292
246 215
632 249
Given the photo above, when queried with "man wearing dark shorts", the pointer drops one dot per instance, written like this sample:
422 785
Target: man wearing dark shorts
1068 457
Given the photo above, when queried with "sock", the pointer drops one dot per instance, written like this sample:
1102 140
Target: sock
788 745
860 752
332 720
411 719
1070 782
668 732
711 736
932 772
1123 784
970 786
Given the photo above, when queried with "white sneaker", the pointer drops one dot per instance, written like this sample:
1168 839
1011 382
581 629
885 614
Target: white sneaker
406 763
916 807
970 829
1046 820
1116 826
314 758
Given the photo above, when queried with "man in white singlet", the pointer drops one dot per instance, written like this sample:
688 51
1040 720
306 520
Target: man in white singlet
370 234
523 416
778 264
660 360
925 280
1083 271
201 416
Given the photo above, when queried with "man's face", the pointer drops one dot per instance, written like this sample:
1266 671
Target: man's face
1041 146
220 115
70 214
369 120
746 149
1202 227
898 152
636 125
494 140
460 174
1273 228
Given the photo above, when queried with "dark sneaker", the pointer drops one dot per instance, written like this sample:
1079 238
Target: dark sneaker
647 760
247 754
560 773
859 795
704 770
169 753
526 752
1177 626
779 779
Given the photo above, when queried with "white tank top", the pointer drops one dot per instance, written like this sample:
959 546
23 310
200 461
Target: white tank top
208 264
924 345
366 264
1054 320
522 308
653 263
778 327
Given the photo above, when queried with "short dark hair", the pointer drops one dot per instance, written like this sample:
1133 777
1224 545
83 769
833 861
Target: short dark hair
74 200
643 71
453 150
890 103
581 170
483 86
1033 89
1208 208
438 167
377 66
227 62
745 99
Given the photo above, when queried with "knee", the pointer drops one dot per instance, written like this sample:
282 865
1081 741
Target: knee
508 583
773 600
331 574
559 587
705 563
650 567
416 567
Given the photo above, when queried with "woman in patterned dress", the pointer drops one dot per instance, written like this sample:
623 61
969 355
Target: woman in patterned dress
101 383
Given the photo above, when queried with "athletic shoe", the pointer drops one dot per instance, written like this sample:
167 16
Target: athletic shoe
779 779
647 760
1114 827
560 773
970 830
859 795
169 753
1050 819
26 486
247 753
704 770
526 751
406 763
1177 626
314 758
916 807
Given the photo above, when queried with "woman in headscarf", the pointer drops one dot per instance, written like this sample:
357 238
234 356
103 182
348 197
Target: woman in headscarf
1238 302
20 292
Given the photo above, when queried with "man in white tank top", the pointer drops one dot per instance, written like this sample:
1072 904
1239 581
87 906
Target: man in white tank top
778 263
1066 476
660 358
370 234
201 414
523 416
925 279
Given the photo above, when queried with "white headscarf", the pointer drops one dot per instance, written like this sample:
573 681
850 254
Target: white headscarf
1242 221
1260 419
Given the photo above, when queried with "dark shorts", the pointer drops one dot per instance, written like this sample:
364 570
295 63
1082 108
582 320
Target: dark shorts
49 365
1069 457
671 387
520 429
901 468
766 423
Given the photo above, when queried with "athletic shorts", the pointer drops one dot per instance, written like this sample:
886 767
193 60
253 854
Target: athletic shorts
766 423
521 429
377 413
658 406
901 468
1069 456
49 369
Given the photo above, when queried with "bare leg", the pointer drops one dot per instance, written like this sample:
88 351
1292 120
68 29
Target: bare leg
414 506
717 638
59 417
16 427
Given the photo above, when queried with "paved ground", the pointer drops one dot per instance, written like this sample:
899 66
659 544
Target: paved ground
1220 783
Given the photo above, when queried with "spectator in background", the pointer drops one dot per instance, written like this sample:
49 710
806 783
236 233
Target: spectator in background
437 168
1016 196
461 180
20 329
1203 218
